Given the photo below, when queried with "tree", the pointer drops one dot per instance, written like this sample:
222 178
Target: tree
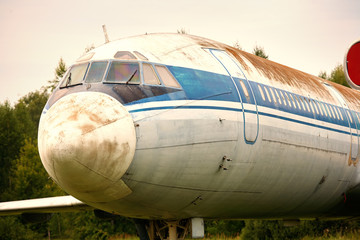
29 178
11 139
323 75
260 52
337 75
59 73
28 111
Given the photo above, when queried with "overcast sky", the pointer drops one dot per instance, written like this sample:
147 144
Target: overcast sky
309 35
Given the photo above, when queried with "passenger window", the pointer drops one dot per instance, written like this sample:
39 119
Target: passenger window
324 109
282 97
121 72
96 72
292 100
267 94
301 104
166 77
242 84
277 95
309 103
349 116
289 100
304 104
330 111
320 109
75 76
338 109
314 106
261 92
335 112
272 94
150 76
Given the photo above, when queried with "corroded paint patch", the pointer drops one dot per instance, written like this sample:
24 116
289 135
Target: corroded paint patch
86 143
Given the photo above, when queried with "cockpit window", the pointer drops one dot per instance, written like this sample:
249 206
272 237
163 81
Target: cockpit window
150 75
124 55
141 56
75 76
121 72
166 77
96 72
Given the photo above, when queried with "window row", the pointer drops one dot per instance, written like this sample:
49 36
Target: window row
280 97
119 72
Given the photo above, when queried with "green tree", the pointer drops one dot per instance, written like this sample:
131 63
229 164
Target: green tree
260 52
29 178
323 75
12 228
59 73
11 140
229 228
28 111
337 75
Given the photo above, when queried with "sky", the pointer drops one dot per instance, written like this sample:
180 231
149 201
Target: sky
308 35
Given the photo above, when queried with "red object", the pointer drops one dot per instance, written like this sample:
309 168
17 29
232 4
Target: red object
353 63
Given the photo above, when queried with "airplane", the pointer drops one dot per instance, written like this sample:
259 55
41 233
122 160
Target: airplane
172 129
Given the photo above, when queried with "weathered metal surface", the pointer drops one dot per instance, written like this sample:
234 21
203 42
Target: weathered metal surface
297 168
86 143
43 205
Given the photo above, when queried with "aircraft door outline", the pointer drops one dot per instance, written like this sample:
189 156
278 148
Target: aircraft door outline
251 132
354 154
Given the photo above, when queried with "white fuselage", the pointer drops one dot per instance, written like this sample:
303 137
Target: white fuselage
274 143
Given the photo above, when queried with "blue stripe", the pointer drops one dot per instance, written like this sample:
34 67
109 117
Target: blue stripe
239 110
186 107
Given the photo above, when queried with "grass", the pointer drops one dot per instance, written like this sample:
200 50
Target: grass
349 236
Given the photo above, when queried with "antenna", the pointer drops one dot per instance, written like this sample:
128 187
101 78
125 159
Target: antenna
105 34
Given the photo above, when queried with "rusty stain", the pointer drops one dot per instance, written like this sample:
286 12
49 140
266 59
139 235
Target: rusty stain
86 128
351 96
103 123
95 118
62 134
284 75
74 116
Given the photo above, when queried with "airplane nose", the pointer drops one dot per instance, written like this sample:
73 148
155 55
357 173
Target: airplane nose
86 143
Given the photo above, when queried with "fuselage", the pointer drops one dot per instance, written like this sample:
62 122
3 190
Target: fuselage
172 126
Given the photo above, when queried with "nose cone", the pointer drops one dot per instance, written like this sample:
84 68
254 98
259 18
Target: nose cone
86 143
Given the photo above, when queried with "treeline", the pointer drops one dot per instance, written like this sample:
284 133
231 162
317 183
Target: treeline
22 176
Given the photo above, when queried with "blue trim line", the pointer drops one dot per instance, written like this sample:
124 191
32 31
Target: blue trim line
239 110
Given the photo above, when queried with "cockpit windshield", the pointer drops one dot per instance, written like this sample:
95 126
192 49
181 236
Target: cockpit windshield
96 72
75 76
121 72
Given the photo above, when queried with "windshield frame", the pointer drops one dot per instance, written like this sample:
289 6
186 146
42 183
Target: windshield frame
67 75
128 81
